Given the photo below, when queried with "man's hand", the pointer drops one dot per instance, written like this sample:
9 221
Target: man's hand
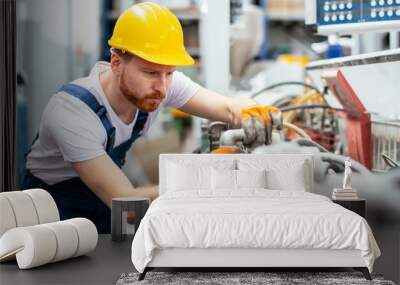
257 123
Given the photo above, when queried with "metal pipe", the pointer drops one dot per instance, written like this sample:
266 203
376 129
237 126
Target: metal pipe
214 133
231 137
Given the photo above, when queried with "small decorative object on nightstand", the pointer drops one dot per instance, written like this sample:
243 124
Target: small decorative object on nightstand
358 206
138 205
346 192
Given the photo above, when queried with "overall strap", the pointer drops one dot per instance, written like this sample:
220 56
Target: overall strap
137 128
118 154
90 100
139 124
30 147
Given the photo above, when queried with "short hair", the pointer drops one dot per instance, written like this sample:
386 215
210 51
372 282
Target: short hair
126 56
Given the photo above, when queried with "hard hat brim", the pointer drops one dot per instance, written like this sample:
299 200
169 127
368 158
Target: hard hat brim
181 59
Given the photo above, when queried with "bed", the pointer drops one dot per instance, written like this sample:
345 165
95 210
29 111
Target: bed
247 211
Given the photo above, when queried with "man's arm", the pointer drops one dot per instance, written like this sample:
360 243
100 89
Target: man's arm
213 106
107 181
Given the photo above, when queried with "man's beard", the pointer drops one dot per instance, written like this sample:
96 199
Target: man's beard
143 104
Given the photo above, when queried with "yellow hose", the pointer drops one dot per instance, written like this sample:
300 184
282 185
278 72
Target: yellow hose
310 97
296 129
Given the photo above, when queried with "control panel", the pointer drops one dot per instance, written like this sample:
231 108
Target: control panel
352 16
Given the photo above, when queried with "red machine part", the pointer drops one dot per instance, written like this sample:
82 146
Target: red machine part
327 140
358 129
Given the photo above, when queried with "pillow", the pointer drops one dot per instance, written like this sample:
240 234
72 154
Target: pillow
187 177
184 174
279 180
281 174
251 179
223 179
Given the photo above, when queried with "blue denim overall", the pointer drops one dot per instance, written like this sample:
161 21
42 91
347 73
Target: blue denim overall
72 196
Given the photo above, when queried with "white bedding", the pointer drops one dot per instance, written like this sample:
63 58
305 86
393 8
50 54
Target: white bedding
252 218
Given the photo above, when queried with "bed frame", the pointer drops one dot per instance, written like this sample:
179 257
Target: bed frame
242 259
246 259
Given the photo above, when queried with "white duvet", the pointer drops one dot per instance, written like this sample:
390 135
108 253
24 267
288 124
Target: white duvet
250 219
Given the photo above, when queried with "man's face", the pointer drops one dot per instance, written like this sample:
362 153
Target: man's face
145 84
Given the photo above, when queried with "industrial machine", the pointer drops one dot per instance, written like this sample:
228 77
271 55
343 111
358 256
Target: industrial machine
352 16
350 106
339 114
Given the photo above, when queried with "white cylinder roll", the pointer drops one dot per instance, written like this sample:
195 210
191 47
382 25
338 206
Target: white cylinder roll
7 217
23 208
10 243
67 239
35 245
87 235
45 205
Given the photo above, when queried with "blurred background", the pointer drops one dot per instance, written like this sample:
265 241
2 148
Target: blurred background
333 69
240 48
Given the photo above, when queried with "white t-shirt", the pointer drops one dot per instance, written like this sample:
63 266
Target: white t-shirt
70 131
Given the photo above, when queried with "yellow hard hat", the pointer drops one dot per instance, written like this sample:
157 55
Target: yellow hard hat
151 32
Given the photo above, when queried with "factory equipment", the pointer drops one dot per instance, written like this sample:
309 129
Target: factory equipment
352 16
366 88
354 100
343 113
351 108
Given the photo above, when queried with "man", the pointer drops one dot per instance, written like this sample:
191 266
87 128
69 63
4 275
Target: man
89 125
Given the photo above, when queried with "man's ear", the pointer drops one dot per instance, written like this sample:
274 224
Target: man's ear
116 63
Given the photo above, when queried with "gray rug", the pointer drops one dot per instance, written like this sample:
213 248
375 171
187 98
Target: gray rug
229 278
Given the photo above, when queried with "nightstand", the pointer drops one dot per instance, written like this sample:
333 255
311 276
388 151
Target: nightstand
138 205
358 206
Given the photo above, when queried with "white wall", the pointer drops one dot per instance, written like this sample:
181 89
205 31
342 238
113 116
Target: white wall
86 35
44 53
51 33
